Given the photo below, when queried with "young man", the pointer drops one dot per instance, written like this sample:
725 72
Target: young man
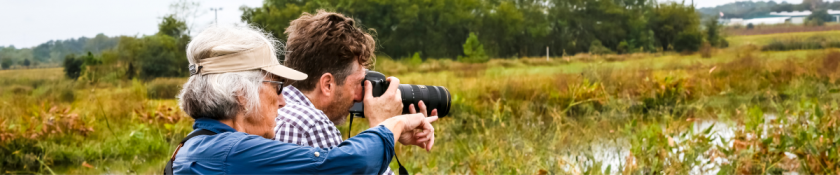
334 52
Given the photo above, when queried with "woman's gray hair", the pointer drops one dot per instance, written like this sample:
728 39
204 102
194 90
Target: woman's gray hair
216 96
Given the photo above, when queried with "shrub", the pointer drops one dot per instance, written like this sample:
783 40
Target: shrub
162 58
20 154
706 50
67 94
830 63
806 44
818 18
415 60
72 66
623 47
713 32
688 41
6 63
598 49
473 51
164 88
723 43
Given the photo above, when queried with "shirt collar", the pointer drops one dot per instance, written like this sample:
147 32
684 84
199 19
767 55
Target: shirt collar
293 95
212 125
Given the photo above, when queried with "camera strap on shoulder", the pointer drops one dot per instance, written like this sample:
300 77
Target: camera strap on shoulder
403 171
168 170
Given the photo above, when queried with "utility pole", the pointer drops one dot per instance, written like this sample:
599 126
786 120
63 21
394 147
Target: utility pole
216 12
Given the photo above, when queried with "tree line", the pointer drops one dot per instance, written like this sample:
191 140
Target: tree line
145 57
51 53
506 28
467 30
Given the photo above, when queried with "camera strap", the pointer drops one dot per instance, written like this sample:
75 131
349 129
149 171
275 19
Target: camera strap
168 169
403 171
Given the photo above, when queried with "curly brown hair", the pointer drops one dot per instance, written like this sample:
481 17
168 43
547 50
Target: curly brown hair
326 42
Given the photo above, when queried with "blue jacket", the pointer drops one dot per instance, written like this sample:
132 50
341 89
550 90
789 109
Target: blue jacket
232 152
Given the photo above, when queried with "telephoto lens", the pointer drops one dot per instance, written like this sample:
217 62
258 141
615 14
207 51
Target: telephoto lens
435 97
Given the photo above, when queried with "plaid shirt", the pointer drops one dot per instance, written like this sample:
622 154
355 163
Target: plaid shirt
299 122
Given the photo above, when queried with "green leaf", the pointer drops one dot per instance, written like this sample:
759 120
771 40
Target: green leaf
708 130
818 112
608 170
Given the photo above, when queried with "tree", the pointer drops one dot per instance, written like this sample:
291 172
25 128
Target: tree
812 5
42 51
623 47
819 17
130 72
5 63
508 28
53 51
89 60
473 51
670 20
598 49
100 43
186 11
688 41
172 26
161 57
713 34
72 66
26 63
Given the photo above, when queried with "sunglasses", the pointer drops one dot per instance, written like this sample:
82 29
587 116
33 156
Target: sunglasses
279 86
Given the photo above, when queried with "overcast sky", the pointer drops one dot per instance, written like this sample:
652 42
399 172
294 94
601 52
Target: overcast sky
27 23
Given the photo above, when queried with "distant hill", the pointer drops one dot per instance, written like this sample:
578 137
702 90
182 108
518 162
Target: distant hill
52 52
741 9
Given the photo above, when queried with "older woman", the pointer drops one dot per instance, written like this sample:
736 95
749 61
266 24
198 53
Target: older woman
233 95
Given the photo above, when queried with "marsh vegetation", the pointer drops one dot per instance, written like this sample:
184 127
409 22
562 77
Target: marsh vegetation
586 114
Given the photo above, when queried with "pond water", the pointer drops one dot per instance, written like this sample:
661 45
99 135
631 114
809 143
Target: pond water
613 152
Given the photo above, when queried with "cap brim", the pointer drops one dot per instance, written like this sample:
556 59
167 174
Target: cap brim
285 72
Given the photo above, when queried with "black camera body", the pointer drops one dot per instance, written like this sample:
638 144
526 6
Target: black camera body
435 97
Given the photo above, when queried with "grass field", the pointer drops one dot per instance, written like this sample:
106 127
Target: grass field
777 29
760 40
742 111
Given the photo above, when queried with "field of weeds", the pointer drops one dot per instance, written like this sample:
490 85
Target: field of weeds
780 28
742 111
764 39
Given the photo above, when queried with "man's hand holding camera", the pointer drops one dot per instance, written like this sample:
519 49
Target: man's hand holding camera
417 131
383 107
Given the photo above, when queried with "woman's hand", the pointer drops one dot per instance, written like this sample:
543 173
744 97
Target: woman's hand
423 108
413 129
420 136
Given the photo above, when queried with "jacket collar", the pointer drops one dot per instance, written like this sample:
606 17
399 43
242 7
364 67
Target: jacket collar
212 125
